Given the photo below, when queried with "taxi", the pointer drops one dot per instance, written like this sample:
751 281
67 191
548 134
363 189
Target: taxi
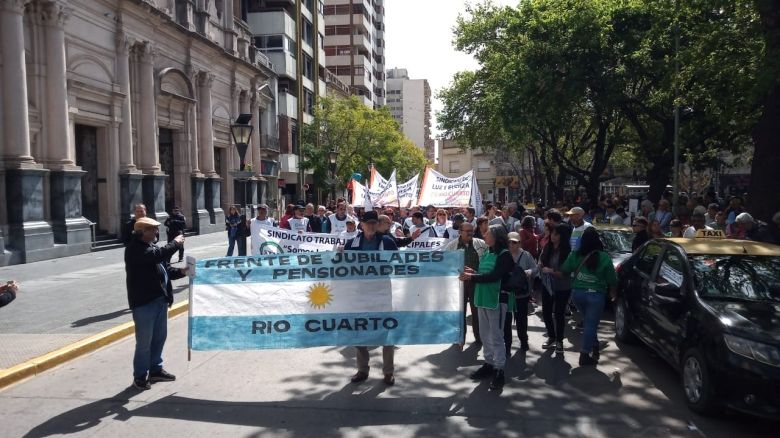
710 307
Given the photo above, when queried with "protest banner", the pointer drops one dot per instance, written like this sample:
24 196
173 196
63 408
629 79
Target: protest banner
270 240
385 194
377 182
476 198
358 192
407 192
443 191
427 243
327 299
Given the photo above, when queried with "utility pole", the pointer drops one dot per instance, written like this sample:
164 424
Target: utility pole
676 179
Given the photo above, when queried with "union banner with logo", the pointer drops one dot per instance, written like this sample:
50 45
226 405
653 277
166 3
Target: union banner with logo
326 299
271 240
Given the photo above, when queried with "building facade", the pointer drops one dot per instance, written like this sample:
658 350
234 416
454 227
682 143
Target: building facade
108 103
291 34
409 101
355 47
454 161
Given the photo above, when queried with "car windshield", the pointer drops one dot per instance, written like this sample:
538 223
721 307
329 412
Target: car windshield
616 240
755 278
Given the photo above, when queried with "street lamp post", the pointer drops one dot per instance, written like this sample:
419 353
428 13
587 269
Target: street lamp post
242 136
332 157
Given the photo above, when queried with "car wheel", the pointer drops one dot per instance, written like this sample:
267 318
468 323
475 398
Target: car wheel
622 322
697 383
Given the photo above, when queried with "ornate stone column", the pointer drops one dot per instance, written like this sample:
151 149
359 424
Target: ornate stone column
148 151
29 235
16 135
212 183
130 178
68 224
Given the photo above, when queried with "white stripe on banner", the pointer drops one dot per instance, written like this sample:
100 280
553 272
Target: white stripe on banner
288 298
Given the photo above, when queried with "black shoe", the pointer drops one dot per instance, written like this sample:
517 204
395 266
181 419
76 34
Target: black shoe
498 380
588 359
486 370
524 346
359 376
559 347
548 344
161 376
389 379
602 346
142 384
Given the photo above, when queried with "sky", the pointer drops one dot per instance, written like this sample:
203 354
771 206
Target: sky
418 37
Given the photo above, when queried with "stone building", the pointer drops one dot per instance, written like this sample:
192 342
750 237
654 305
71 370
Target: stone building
107 103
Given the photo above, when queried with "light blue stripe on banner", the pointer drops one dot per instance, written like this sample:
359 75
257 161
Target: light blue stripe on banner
330 266
383 328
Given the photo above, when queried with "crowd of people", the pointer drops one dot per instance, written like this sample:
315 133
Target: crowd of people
514 259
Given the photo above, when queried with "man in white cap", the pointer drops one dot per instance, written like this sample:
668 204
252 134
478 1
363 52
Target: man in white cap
257 222
579 225
150 294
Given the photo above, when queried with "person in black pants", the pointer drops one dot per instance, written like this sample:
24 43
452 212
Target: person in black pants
556 290
523 261
175 225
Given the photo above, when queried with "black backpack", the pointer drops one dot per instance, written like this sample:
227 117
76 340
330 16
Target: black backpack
518 281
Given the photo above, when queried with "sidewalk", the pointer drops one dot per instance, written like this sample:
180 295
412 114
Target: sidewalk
64 300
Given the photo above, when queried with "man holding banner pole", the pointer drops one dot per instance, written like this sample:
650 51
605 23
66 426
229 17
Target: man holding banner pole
473 250
370 240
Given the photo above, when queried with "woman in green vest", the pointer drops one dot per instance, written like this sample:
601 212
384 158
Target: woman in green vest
592 275
493 302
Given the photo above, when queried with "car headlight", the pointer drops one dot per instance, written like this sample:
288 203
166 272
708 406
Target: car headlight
758 351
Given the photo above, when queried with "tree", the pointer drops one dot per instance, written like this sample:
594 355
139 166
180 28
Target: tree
361 136
764 183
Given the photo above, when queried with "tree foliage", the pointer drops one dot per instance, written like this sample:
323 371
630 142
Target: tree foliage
577 80
361 136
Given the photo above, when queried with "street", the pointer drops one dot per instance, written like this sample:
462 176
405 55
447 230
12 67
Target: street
306 392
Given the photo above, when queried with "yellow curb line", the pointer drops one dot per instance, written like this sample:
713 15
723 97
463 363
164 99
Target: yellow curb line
47 361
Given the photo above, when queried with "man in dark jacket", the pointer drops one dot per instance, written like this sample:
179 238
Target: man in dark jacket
8 292
175 224
139 211
149 294
370 240
641 236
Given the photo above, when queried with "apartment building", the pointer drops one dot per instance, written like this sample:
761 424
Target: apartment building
291 34
109 103
355 46
409 101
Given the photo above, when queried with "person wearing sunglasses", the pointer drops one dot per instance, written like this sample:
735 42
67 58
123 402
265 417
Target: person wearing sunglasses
640 233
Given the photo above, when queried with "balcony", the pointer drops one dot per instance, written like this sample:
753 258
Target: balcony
271 23
269 168
269 143
283 62
288 105
259 58
289 163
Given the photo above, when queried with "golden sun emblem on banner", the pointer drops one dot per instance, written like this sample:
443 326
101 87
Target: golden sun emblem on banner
319 295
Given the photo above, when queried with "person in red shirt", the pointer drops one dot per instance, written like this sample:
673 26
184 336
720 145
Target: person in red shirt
284 222
529 240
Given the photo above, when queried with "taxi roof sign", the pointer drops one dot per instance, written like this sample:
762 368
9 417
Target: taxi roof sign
710 234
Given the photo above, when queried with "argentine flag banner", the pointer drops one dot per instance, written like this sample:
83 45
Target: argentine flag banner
326 299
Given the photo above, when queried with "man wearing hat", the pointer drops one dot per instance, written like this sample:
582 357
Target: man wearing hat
579 225
149 293
261 220
370 240
453 231
299 223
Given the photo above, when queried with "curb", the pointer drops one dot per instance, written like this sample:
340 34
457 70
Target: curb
47 361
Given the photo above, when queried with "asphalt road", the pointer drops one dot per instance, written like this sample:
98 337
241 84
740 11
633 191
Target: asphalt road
304 393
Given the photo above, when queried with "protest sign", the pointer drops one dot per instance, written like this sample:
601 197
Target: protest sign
427 243
385 194
407 192
327 299
443 191
270 240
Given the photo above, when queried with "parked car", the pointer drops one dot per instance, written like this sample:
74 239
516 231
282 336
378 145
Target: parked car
711 308
617 241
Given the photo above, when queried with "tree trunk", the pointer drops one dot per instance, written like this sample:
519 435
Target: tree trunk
763 199
658 177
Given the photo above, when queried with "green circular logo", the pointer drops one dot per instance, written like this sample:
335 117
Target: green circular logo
270 248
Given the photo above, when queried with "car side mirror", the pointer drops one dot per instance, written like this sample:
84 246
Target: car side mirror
668 290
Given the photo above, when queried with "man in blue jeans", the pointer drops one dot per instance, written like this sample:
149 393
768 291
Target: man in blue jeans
150 294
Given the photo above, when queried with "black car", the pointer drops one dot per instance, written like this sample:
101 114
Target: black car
711 308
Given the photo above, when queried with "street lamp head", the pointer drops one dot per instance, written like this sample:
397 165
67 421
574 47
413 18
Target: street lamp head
242 134
333 156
